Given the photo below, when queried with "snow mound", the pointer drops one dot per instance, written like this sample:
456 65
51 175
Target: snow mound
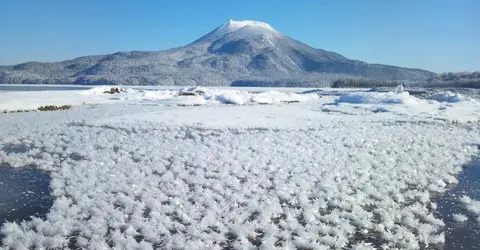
378 98
99 90
399 89
447 97
271 97
232 97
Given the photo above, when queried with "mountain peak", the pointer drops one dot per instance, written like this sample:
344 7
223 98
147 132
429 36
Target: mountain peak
233 25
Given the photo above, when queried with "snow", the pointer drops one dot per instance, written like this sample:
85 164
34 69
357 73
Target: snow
232 97
290 60
149 169
400 89
184 100
98 90
27 100
158 95
271 97
460 217
350 101
233 25
31 100
271 43
363 246
247 27
379 98
404 104
471 205
447 97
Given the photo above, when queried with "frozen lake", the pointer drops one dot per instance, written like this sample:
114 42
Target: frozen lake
43 87
231 169
8 87
462 235
24 193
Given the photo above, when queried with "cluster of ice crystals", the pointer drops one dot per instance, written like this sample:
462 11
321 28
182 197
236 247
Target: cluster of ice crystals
473 206
460 217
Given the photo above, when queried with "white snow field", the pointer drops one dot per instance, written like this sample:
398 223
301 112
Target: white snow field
151 169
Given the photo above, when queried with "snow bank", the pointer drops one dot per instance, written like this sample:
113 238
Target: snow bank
98 90
184 101
447 97
378 98
457 109
159 95
16 100
271 97
231 97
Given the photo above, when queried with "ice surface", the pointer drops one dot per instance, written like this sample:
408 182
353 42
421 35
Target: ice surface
314 174
24 192
447 97
378 98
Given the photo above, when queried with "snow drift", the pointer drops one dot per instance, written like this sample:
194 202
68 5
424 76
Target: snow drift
447 97
378 98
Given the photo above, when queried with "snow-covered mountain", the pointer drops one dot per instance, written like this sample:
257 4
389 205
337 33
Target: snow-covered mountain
236 53
456 79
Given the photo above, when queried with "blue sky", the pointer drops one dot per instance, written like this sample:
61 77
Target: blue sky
437 35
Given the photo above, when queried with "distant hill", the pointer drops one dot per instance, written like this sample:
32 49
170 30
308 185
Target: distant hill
240 53
459 79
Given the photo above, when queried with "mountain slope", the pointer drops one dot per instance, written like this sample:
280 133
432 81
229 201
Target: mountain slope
237 52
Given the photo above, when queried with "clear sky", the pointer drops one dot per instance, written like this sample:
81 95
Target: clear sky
437 35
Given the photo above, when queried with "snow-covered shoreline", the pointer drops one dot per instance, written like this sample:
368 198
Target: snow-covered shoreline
31 100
